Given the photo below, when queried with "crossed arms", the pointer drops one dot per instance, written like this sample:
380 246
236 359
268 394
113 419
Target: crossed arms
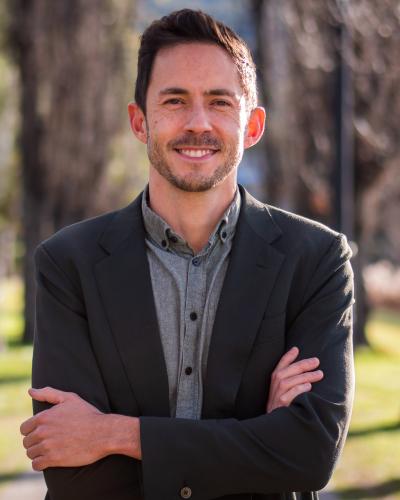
75 433
267 450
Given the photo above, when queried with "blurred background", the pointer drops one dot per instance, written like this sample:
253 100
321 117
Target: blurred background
329 77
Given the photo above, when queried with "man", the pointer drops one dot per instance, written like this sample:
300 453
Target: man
168 332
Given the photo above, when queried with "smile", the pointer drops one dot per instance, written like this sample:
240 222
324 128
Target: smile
196 153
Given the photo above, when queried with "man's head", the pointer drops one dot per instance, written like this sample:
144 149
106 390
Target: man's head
195 103
188 26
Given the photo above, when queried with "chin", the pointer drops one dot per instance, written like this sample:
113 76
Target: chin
191 185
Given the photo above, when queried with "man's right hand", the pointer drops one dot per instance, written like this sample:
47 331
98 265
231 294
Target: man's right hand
290 378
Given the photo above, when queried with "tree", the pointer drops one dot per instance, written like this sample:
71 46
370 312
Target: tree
72 67
303 59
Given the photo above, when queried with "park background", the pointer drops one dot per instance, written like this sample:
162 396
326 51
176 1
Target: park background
329 77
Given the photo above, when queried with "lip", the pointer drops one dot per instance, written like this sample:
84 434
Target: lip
212 152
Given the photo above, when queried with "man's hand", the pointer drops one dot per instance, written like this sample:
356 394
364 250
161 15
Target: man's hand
74 433
289 379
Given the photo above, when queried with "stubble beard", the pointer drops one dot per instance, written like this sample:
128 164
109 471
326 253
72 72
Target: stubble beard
192 182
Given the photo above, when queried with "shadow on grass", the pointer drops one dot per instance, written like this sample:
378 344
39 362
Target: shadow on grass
9 477
12 379
21 476
373 430
374 491
17 341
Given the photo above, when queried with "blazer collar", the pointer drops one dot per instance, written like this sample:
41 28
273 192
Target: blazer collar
125 222
129 219
124 282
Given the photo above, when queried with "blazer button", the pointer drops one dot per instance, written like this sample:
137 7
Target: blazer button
186 492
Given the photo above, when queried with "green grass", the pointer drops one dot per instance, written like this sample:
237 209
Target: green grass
15 369
370 464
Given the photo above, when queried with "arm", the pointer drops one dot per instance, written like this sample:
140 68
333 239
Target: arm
75 433
255 455
63 358
290 449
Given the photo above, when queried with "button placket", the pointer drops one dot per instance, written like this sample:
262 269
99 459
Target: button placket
188 383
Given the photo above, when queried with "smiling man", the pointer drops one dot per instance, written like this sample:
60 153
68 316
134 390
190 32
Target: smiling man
178 339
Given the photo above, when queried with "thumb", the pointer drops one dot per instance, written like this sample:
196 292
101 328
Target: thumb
49 395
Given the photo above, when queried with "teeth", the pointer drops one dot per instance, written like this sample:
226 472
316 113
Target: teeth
196 153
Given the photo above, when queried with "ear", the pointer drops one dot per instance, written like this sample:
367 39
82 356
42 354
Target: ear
138 122
255 127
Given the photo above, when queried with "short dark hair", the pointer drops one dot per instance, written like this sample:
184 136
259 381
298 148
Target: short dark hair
186 26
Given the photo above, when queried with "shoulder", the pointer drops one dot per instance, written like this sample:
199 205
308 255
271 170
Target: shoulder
83 241
298 230
291 233
308 242
78 238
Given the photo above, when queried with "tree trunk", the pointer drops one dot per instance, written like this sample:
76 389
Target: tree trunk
307 153
72 67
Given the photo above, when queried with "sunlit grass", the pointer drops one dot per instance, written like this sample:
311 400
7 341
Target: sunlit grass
15 371
370 464
11 305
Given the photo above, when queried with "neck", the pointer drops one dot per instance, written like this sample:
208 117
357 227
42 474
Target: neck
191 215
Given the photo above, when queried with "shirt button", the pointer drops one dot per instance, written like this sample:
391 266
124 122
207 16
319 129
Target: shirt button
196 262
188 370
164 243
193 316
223 234
174 239
186 492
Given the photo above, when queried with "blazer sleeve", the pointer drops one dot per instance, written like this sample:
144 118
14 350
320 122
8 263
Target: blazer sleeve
290 449
63 358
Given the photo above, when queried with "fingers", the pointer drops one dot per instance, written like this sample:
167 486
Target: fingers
37 454
288 358
49 395
291 378
34 451
28 426
304 378
39 464
287 398
305 365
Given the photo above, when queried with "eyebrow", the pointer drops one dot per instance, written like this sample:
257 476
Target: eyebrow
221 92
212 92
173 90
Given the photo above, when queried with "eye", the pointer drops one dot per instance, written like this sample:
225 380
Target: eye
221 103
174 101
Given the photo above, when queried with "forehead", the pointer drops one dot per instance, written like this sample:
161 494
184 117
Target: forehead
194 66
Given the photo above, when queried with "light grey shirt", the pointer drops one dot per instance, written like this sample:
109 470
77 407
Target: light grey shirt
186 289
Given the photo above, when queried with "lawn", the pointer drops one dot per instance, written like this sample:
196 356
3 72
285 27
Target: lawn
369 467
370 464
15 367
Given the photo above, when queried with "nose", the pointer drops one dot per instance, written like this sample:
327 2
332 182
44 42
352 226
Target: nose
198 120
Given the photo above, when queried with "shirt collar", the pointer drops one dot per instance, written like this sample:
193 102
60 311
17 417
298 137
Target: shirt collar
162 235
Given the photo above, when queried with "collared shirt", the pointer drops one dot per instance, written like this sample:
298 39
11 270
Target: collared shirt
186 289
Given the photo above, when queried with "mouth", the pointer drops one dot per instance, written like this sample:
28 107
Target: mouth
196 153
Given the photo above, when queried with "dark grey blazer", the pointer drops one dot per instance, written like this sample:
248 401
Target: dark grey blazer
289 282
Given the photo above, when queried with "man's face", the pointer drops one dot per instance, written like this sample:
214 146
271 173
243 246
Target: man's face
195 116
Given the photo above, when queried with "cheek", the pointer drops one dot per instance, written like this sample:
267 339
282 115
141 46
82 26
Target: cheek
232 126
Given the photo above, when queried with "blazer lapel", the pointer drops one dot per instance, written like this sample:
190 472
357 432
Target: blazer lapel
125 286
253 268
